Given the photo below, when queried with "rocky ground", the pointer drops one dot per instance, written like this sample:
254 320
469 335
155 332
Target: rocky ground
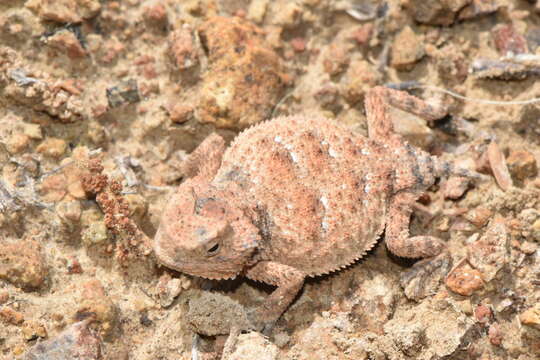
100 101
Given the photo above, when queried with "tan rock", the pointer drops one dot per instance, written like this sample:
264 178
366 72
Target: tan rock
244 79
52 147
95 302
441 12
522 164
11 316
17 143
22 263
67 42
407 49
65 11
531 317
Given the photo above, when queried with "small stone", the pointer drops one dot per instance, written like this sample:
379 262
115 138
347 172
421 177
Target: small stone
67 42
17 142
95 302
337 59
254 345
155 13
257 10
298 44
483 314
22 263
413 128
32 330
495 335
69 210
497 164
490 253
180 113
125 92
65 11
245 78
536 230
360 77
52 147
182 48
213 314
407 49
528 247
77 342
464 280
508 41
362 35
455 187
531 317
479 216
95 233
168 289
53 188
33 131
441 12
478 8
11 316
4 297
522 164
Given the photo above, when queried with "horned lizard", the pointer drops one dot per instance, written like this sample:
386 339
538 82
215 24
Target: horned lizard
299 196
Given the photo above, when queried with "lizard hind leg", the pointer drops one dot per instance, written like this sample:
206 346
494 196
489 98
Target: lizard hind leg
380 125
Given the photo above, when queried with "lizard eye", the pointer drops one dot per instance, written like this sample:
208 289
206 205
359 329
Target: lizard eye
213 249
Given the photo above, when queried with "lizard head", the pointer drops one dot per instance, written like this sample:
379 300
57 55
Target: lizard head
203 233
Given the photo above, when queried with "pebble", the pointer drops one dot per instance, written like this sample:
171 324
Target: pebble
52 147
22 263
531 317
407 49
508 40
181 113
95 302
479 216
182 48
253 345
32 330
464 280
455 187
11 316
441 12
490 253
495 334
522 164
498 166
17 143
67 42
77 342
257 10
244 79
33 131
95 233
65 11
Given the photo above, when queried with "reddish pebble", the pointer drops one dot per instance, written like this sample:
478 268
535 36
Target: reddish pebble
464 280
298 44
482 313
495 334
508 40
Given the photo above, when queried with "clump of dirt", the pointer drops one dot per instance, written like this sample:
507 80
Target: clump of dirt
100 101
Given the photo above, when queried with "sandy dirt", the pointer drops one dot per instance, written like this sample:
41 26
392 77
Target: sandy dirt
101 101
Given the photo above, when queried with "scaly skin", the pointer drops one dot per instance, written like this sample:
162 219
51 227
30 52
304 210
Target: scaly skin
298 196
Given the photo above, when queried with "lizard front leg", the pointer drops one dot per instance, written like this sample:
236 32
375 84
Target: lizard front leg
288 281
397 237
